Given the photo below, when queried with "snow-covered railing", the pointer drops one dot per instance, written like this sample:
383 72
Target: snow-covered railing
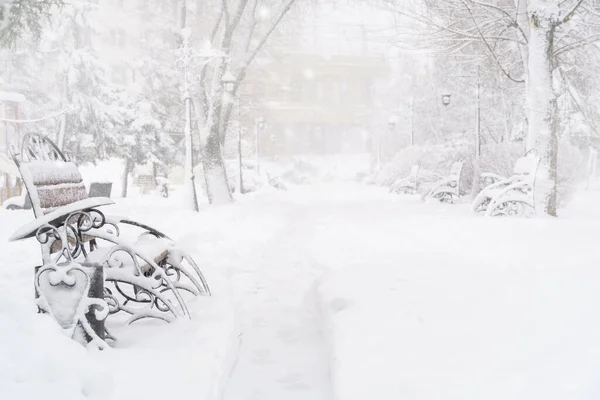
90 270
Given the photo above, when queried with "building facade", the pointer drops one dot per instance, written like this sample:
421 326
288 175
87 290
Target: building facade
314 104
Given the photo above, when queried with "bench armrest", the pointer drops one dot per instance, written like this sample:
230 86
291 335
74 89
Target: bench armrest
57 217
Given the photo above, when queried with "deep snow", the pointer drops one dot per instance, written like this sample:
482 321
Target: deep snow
336 291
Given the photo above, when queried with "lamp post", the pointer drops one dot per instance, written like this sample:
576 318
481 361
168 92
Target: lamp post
412 121
478 126
446 101
260 124
229 83
186 64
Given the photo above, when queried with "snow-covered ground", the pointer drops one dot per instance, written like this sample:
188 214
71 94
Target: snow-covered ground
432 303
151 360
341 291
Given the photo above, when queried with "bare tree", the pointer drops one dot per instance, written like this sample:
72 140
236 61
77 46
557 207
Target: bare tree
526 40
240 29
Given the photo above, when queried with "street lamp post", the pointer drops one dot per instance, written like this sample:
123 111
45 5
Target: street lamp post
229 82
476 169
260 124
412 122
478 136
446 101
185 62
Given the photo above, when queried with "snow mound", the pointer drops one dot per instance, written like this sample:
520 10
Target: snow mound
151 359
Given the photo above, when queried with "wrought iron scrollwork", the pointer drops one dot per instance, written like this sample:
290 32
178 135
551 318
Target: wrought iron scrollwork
63 291
135 283
512 208
36 147
444 197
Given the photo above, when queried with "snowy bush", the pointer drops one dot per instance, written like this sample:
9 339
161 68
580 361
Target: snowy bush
498 158
435 162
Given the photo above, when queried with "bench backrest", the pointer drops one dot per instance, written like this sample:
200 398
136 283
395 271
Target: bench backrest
414 172
527 168
52 184
51 180
527 165
456 169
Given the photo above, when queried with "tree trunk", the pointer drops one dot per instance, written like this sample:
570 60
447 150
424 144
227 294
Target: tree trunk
542 133
523 23
217 187
128 166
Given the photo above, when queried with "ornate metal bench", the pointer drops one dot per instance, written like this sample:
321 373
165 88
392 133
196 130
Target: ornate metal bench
489 178
447 190
407 185
513 196
94 265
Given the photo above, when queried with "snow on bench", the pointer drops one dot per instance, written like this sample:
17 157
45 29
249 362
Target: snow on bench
82 249
407 185
448 189
513 196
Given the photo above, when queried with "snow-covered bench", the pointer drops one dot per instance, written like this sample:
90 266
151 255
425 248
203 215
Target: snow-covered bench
448 189
94 265
489 178
407 185
513 196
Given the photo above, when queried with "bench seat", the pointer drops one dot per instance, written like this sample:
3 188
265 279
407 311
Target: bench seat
148 247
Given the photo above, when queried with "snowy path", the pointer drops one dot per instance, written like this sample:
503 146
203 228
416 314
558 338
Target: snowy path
315 231
282 353
286 266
